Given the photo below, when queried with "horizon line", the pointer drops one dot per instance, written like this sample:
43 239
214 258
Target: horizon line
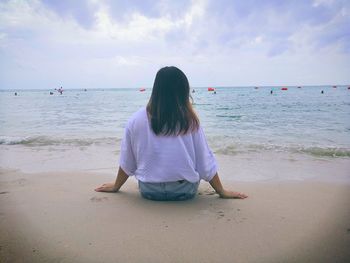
191 87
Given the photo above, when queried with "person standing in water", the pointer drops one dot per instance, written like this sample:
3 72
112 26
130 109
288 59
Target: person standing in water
60 90
164 146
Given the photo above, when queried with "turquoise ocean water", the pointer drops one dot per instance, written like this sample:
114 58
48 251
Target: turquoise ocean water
236 120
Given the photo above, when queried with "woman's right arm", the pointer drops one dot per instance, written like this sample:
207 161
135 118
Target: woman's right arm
114 187
207 167
223 193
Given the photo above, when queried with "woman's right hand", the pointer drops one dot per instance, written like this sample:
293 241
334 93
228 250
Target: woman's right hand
109 187
226 194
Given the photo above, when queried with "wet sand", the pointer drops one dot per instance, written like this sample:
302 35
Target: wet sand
57 217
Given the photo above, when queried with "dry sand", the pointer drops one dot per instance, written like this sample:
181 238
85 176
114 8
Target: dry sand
57 217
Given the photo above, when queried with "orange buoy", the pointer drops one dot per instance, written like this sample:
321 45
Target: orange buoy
142 89
284 89
211 89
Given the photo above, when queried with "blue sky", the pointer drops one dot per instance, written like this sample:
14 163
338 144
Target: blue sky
113 44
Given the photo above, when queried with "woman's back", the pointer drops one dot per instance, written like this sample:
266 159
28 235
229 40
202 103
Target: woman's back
164 158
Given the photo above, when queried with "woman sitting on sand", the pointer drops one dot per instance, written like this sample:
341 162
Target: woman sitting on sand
164 145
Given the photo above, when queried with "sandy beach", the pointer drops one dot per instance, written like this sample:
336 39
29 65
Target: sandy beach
57 217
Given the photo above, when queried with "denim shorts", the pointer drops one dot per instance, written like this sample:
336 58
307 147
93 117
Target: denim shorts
169 191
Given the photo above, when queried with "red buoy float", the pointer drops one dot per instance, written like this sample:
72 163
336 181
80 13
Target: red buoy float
142 89
211 89
284 89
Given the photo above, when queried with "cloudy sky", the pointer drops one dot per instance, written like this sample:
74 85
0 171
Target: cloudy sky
113 43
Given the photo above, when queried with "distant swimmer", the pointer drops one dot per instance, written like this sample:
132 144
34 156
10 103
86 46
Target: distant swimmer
60 90
322 91
193 91
51 93
85 89
271 91
214 92
15 93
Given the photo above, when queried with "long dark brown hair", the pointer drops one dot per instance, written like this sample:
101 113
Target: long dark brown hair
169 108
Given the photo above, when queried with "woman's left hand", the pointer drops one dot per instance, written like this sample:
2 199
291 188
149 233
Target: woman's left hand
109 187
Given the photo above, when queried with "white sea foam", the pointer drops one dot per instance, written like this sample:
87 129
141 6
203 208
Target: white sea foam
34 141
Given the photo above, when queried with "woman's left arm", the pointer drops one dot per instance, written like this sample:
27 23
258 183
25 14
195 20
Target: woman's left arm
114 187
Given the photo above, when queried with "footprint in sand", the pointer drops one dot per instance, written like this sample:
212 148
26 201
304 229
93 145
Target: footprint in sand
206 192
98 199
209 192
20 181
220 214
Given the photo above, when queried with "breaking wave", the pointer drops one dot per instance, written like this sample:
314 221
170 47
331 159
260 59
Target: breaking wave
218 146
314 151
48 141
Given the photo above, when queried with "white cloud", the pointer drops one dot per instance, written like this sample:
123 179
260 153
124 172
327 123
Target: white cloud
227 49
317 3
139 28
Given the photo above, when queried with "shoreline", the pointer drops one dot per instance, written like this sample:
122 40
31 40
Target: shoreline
57 217
243 167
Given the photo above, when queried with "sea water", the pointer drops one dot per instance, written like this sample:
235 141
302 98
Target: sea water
236 120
